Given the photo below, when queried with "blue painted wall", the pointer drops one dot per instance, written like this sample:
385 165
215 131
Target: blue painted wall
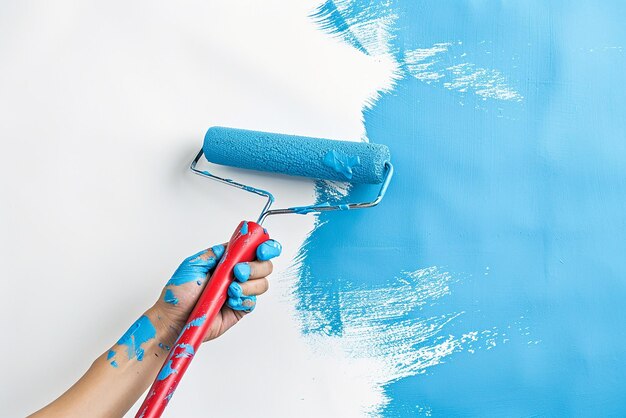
515 188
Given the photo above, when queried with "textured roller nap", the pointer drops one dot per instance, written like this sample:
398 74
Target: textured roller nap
356 162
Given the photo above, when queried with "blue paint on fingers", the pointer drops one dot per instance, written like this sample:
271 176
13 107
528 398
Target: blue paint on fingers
243 303
242 271
268 250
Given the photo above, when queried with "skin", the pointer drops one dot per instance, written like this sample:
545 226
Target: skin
105 391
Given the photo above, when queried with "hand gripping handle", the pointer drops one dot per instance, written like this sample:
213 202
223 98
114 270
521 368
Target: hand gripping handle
241 248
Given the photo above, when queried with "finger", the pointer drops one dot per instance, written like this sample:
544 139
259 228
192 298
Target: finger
252 270
269 249
244 303
251 288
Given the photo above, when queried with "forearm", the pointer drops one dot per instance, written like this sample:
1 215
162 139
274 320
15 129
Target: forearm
119 376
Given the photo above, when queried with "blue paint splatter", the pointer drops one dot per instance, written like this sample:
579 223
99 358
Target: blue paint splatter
268 250
110 354
242 271
137 335
164 346
170 298
166 371
244 228
341 163
114 364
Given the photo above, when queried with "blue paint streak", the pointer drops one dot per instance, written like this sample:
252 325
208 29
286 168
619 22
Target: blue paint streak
110 354
166 371
244 228
303 210
187 351
534 190
268 250
195 268
170 298
341 163
138 334
196 322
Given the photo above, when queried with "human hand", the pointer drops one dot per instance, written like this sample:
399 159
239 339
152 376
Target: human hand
181 292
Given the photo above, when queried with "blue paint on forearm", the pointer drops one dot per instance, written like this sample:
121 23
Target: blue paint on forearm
170 297
166 371
268 250
138 334
341 163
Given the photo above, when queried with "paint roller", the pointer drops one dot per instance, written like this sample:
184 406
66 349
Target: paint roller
353 162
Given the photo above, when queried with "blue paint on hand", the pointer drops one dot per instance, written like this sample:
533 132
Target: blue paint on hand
195 268
242 303
110 354
137 335
341 162
268 250
218 250
244 228
170 297
166 371
242 271
114 364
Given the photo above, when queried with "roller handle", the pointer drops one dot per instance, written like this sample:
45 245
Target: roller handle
241 248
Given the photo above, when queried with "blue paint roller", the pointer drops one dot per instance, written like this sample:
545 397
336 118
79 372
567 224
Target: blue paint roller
354 162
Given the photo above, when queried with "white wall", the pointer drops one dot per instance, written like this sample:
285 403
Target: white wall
102 107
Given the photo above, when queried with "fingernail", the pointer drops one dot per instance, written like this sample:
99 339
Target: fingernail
268 250
218 250
234 290
242 271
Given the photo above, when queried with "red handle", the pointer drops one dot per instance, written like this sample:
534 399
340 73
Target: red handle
241 248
